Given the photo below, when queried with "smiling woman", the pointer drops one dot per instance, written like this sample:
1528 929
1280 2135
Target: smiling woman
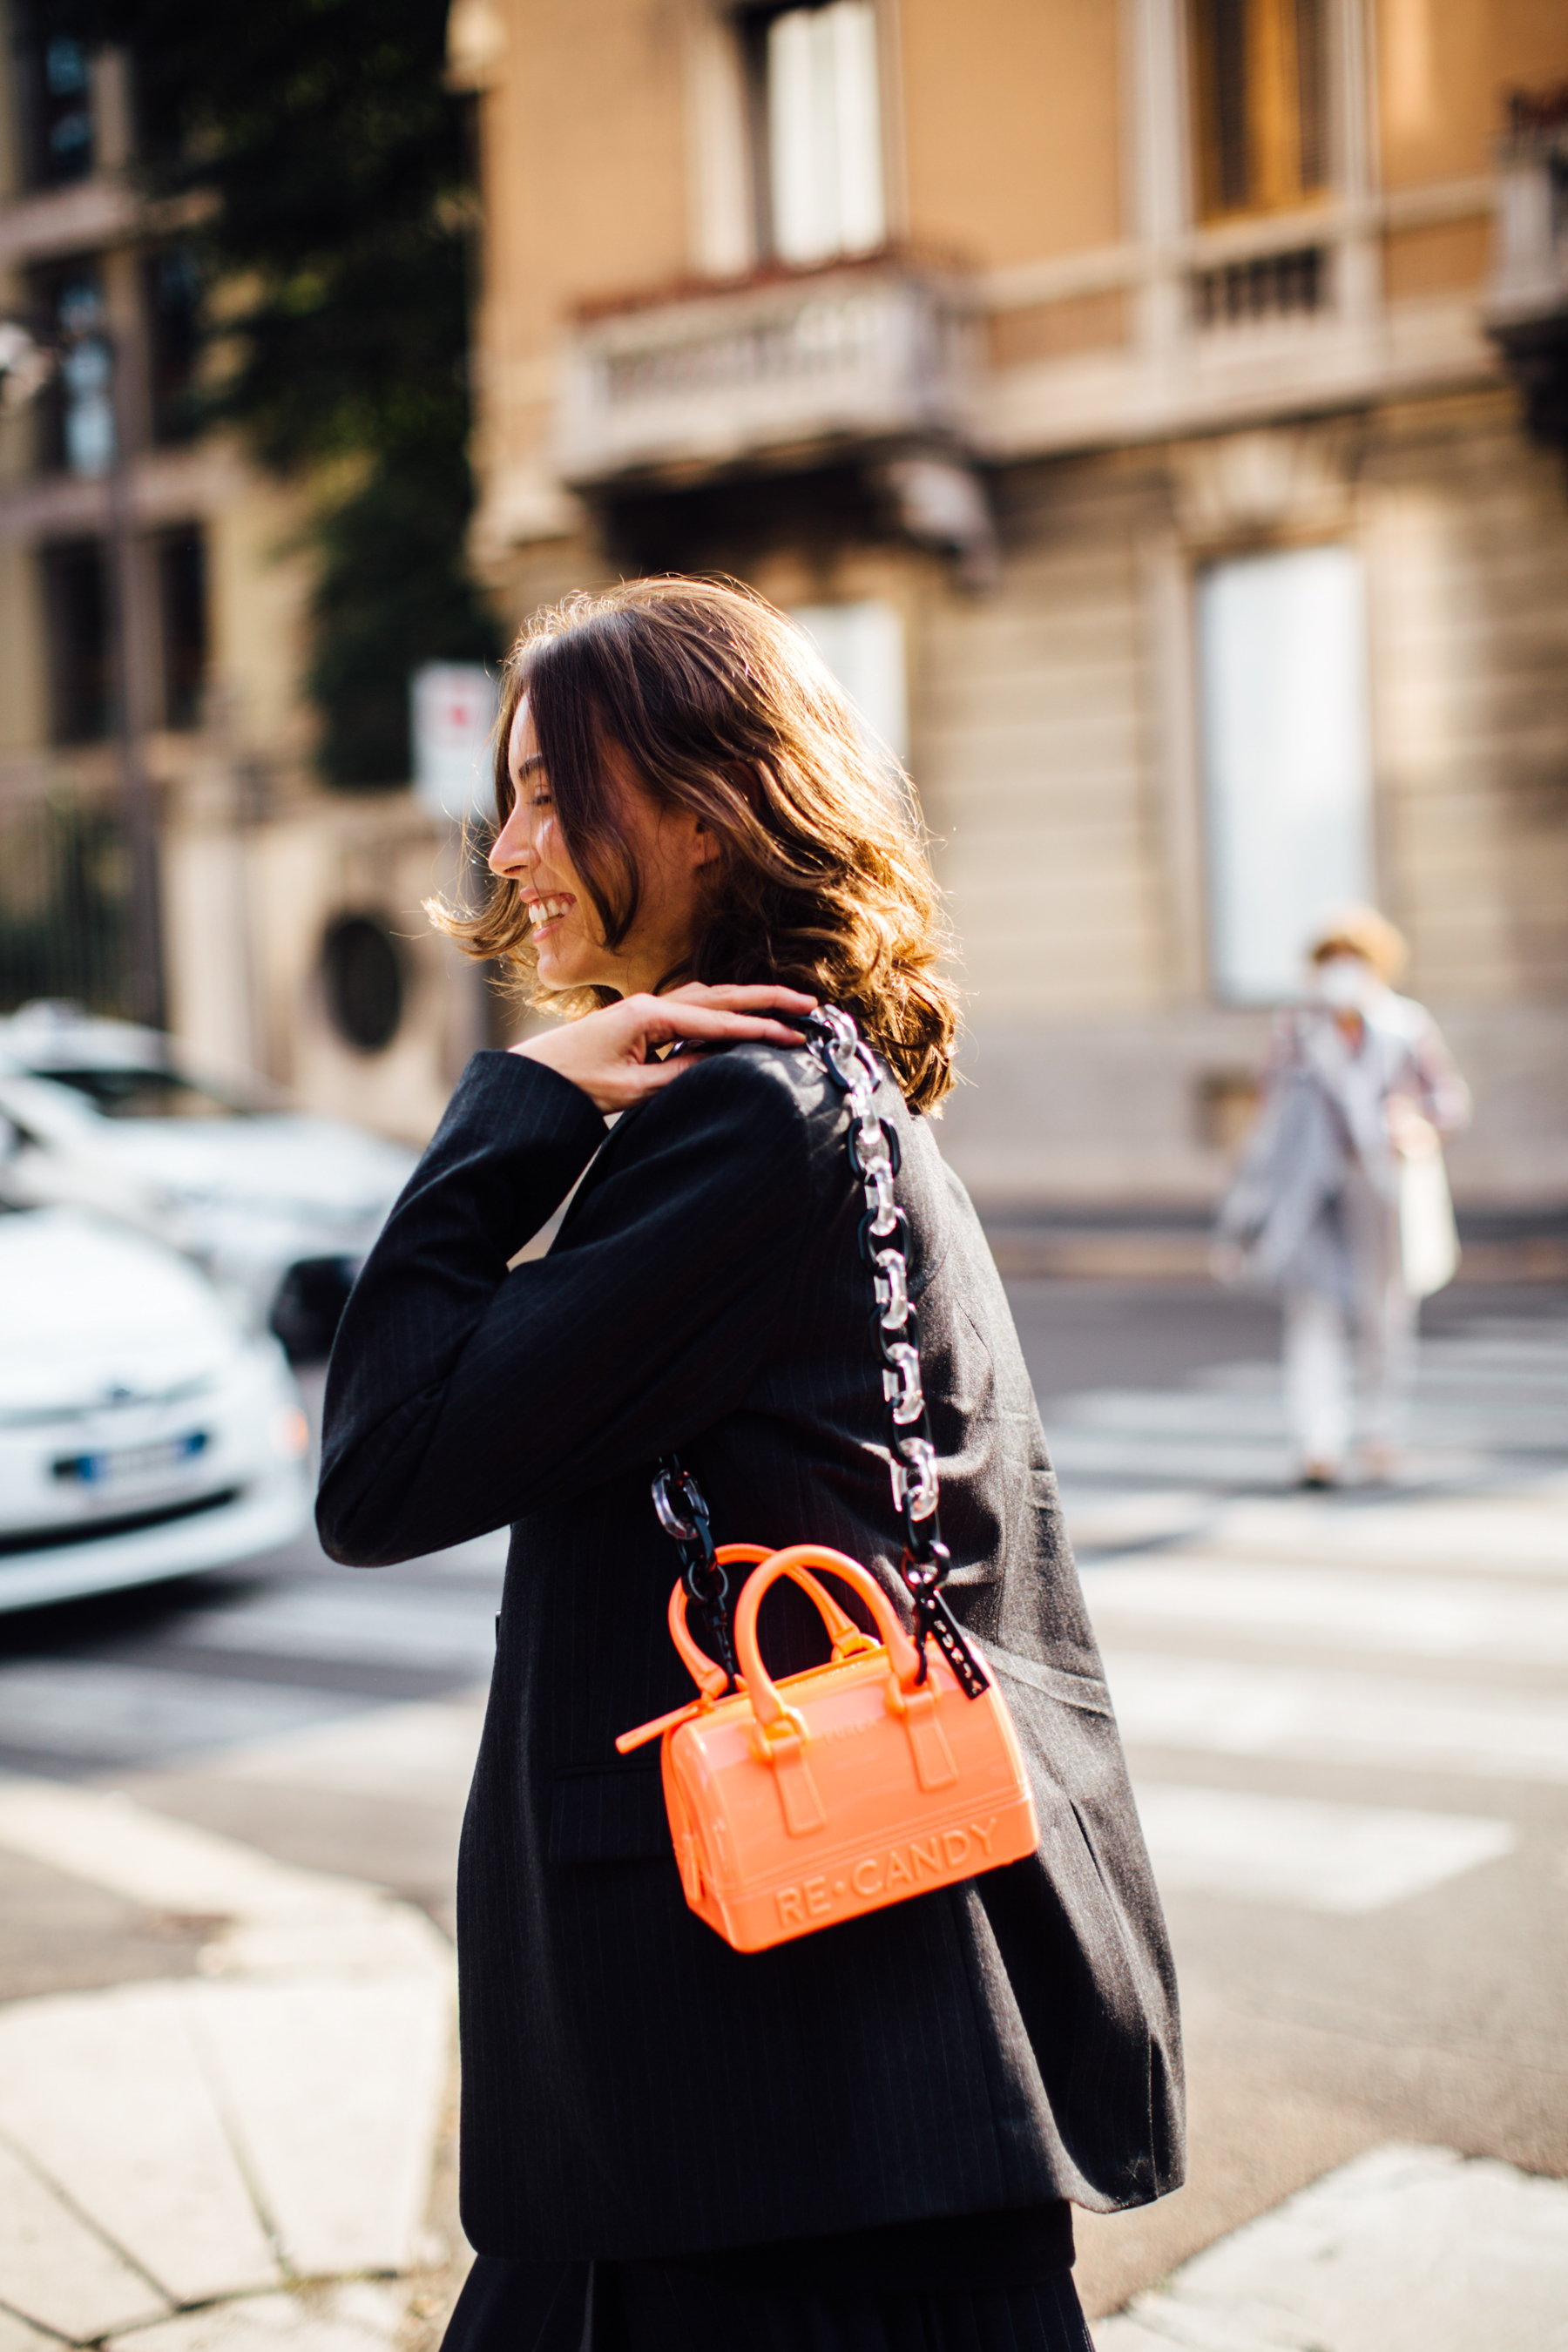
675 2141
746 839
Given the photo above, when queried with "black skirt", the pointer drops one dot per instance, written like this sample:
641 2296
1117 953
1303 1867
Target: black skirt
973 2282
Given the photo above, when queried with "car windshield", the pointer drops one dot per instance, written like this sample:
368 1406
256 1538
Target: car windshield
122 1092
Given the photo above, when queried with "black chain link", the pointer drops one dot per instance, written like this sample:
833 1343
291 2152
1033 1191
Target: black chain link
682 1509
837 1045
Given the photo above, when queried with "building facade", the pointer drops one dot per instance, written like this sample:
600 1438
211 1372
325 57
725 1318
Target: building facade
153 626
1127 395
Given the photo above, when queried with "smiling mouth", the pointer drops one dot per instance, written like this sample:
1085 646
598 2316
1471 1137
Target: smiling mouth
542 912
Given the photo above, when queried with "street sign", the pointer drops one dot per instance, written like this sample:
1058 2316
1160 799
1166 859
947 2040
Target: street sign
452 711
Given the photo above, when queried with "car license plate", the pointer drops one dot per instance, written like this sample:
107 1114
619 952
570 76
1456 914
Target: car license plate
131 1465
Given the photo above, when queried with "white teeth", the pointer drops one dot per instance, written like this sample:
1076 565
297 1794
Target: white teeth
545 910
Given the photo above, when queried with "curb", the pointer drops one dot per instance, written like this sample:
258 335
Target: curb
229 2158
1402 2250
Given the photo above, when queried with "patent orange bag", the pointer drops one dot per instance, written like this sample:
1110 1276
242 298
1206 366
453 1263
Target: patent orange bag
835 1791
895 1768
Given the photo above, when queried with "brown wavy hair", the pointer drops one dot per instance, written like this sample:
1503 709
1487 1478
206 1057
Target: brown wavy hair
723 708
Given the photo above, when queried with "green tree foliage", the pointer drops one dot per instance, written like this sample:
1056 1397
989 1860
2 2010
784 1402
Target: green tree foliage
338 171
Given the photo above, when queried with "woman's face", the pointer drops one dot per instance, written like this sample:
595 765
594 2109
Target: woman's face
1344 980
669 844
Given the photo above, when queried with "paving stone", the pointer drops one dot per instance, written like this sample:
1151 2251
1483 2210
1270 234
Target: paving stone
105 2093
1404 2250
355 2318
16 2335
336 2091
55 2271
308 2067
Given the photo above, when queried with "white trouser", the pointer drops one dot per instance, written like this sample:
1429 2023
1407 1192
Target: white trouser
1319 1395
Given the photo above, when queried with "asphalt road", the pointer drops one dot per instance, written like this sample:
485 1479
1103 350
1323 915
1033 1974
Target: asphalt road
1347 1718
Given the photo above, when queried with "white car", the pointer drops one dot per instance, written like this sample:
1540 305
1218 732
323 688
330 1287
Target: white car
280 1207
145 1433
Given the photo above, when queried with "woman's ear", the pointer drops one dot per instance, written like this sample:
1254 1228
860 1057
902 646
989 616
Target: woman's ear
705 844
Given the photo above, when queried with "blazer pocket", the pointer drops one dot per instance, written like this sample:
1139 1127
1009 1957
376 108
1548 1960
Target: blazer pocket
614 1815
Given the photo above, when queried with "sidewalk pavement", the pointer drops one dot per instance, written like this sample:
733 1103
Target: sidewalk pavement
240 2161
1405 2250
239 2158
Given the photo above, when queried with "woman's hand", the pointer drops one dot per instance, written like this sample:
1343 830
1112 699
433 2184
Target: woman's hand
605 1053
1413 1136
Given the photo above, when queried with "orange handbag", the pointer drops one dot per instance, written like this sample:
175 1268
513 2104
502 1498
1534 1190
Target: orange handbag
888 1771
795 1804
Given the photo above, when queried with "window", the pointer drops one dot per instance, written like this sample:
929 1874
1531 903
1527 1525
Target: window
54 85
817 116
1286 758
171 299
1260 72
76 606
863 646
181 559
76 414
363 972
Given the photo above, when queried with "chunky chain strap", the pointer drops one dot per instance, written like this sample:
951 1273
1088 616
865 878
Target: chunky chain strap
837 1047
683 1510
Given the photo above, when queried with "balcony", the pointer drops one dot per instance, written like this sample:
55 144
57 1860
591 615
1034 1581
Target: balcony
854 358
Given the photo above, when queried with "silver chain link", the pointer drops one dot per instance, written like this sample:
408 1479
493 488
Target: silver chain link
911 1457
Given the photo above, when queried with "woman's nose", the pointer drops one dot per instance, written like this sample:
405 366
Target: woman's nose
513 852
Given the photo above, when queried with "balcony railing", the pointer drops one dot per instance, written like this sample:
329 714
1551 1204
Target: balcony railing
876 353
1268 286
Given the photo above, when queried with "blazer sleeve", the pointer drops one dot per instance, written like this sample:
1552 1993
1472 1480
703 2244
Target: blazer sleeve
1443 1094
461 1396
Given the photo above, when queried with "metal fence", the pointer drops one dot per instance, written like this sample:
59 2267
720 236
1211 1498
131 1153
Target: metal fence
65 895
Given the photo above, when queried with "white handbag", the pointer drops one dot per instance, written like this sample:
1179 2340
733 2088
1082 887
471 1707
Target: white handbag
1428 1237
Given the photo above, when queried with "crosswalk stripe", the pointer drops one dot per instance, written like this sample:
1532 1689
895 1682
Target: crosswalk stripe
1524 1535
1342 1859
1219 1706
118 1714
1086 1455
1392 1615
1508 1419
421 1754
441 1631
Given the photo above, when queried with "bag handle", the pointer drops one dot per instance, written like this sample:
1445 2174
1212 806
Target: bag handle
707 1672
713 1680
761 1689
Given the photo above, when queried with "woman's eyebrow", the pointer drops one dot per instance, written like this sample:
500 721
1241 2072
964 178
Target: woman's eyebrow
535 760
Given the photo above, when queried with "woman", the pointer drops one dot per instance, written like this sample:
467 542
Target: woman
1339 1203
867 2136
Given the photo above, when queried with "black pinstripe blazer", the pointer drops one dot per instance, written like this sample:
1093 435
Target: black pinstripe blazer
632 2087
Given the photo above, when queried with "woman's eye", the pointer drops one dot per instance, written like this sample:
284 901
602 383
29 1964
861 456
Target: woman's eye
540 800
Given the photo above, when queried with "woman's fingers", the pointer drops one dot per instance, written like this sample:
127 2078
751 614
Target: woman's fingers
606 1052
661 1018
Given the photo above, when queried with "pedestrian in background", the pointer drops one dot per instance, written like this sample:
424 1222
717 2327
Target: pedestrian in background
869 2136
1340 1204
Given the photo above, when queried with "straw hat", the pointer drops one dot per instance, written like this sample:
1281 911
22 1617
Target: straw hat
1363 932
